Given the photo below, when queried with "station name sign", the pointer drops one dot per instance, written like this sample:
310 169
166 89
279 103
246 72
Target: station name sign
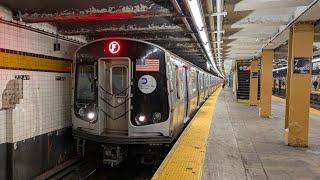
254 74
302 65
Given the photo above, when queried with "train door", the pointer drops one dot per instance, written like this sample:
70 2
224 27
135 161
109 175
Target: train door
182 90
114 94
186 93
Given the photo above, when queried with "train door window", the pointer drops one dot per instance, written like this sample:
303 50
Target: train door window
119 80
200 82
171 74
193 81
178 83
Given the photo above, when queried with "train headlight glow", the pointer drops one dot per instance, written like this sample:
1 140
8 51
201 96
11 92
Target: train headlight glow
91 115
140 119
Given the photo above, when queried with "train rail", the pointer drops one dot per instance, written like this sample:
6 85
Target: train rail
75 168
91 168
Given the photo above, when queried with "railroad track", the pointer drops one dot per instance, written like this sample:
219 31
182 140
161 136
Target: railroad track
75 168
89 168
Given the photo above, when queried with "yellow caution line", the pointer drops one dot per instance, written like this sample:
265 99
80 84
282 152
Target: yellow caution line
23 62
244 101
186 158
312 110
275 98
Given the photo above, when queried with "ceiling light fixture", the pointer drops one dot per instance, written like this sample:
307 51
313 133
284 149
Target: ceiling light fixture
197 16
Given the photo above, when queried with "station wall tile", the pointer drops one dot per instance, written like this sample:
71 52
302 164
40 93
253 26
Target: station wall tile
46 103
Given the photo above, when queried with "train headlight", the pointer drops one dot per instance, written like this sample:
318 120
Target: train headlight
156 117
140 119
91 115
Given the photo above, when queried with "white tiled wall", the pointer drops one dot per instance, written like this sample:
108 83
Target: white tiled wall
18 39
45 106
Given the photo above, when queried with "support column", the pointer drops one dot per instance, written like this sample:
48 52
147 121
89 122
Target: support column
288 79
266 83
253 93
296 133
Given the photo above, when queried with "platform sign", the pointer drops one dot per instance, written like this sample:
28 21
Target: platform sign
254 74
23 77
302 65
244 68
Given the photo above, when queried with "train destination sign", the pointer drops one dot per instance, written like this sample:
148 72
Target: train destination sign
114 47
302 65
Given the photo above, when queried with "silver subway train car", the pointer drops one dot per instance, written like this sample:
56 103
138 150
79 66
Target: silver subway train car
128 91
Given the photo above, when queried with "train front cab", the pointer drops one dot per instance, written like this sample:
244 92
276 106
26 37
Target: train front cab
129 102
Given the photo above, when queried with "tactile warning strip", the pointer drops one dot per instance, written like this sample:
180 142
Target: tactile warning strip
186 158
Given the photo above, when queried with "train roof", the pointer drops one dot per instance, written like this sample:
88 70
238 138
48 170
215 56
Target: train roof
146 42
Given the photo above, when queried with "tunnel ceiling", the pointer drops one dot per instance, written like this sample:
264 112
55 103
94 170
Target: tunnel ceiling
156 21
248 26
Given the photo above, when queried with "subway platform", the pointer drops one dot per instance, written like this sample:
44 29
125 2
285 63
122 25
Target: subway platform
241 145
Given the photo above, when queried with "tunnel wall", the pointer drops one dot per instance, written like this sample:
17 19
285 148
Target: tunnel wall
35 87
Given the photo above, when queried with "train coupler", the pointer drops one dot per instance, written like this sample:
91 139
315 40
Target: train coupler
81 143
112 155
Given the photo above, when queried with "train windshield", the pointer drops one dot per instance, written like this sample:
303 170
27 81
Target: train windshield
85 83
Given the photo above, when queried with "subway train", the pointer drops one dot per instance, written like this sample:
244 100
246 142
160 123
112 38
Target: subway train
131 92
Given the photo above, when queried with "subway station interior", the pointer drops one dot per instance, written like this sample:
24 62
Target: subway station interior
160 89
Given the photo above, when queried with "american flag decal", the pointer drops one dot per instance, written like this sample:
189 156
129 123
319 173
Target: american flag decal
150 65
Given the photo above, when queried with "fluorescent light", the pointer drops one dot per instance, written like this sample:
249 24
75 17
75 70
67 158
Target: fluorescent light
196 13
316 60
280 68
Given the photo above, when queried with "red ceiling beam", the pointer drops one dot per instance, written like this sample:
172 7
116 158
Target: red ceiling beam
94 17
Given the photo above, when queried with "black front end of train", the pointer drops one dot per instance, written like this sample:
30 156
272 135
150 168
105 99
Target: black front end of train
120 96
120 80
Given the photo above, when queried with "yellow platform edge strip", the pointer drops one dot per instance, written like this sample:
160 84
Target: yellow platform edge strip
244 101
21 62
186 158
312 110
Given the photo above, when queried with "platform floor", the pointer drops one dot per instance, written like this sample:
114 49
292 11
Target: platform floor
186 157
242 145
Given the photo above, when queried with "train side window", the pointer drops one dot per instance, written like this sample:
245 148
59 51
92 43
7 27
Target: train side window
119 80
